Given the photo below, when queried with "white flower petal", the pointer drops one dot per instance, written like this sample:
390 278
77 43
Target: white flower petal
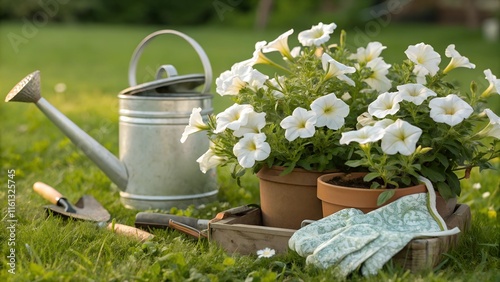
266 253
251 148
209 160
317 35
367 134
493 127
450 110
494 82
195 124
330 111
233 117
415 93
457 60
258 56
384 123
336 69
386 104
280 44
299 124
425 58
240 76
372 51
400 137
255 122
378 79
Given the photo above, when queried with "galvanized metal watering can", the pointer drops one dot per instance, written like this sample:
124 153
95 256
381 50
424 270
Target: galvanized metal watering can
154 170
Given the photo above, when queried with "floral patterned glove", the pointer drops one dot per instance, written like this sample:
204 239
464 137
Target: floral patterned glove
349 238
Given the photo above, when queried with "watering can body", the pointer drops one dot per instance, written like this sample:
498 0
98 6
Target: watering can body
162 172
154 169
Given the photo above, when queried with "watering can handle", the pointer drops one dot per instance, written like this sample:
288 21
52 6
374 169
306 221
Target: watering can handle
138 51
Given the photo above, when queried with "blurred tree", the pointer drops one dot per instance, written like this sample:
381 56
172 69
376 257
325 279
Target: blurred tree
263 12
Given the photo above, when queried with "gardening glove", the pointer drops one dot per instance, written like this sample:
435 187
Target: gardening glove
349 238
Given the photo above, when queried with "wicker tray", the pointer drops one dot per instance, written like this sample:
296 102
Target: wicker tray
244 234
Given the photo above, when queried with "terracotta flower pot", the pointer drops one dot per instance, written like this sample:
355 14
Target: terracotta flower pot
289 199
335 198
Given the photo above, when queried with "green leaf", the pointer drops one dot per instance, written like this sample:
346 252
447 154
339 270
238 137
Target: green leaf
433 174
370 176
443 160
355 163
385 196
444 190
453 183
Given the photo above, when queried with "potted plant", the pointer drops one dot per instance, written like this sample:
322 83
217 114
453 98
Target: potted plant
425 127
294 118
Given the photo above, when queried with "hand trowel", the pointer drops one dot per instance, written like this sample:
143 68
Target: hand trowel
86 208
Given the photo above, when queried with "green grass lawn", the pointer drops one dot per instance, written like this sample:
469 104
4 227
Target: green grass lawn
92 61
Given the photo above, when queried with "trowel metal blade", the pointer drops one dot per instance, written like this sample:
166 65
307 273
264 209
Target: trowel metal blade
87 208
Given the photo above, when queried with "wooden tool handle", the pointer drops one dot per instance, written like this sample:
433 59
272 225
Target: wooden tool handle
139 234
48 192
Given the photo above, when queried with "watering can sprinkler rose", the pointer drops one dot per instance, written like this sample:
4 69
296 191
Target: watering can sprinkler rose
154 171
331 108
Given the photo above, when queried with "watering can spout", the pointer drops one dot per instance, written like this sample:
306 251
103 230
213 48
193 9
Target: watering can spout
28 90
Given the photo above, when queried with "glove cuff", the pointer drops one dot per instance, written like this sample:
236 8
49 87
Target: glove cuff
431 203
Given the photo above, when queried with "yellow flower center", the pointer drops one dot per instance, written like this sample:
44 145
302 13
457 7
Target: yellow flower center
318 33
449 111
252 146
413 93
328 110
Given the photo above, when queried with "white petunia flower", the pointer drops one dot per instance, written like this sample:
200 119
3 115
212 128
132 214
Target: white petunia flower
426 60
457 60
384 123
233 117
450 110
240 76
209 160
415 93
334 68
195 124
371 52
367 134
364 119
295 51
251 148
255 122
400 137
378 79
258 56
299 124
230 82
346 96
317 35
330 111
280 44
386 104
493 127
266 253
494 86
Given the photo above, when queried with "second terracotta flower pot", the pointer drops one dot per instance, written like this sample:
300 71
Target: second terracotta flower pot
335 198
